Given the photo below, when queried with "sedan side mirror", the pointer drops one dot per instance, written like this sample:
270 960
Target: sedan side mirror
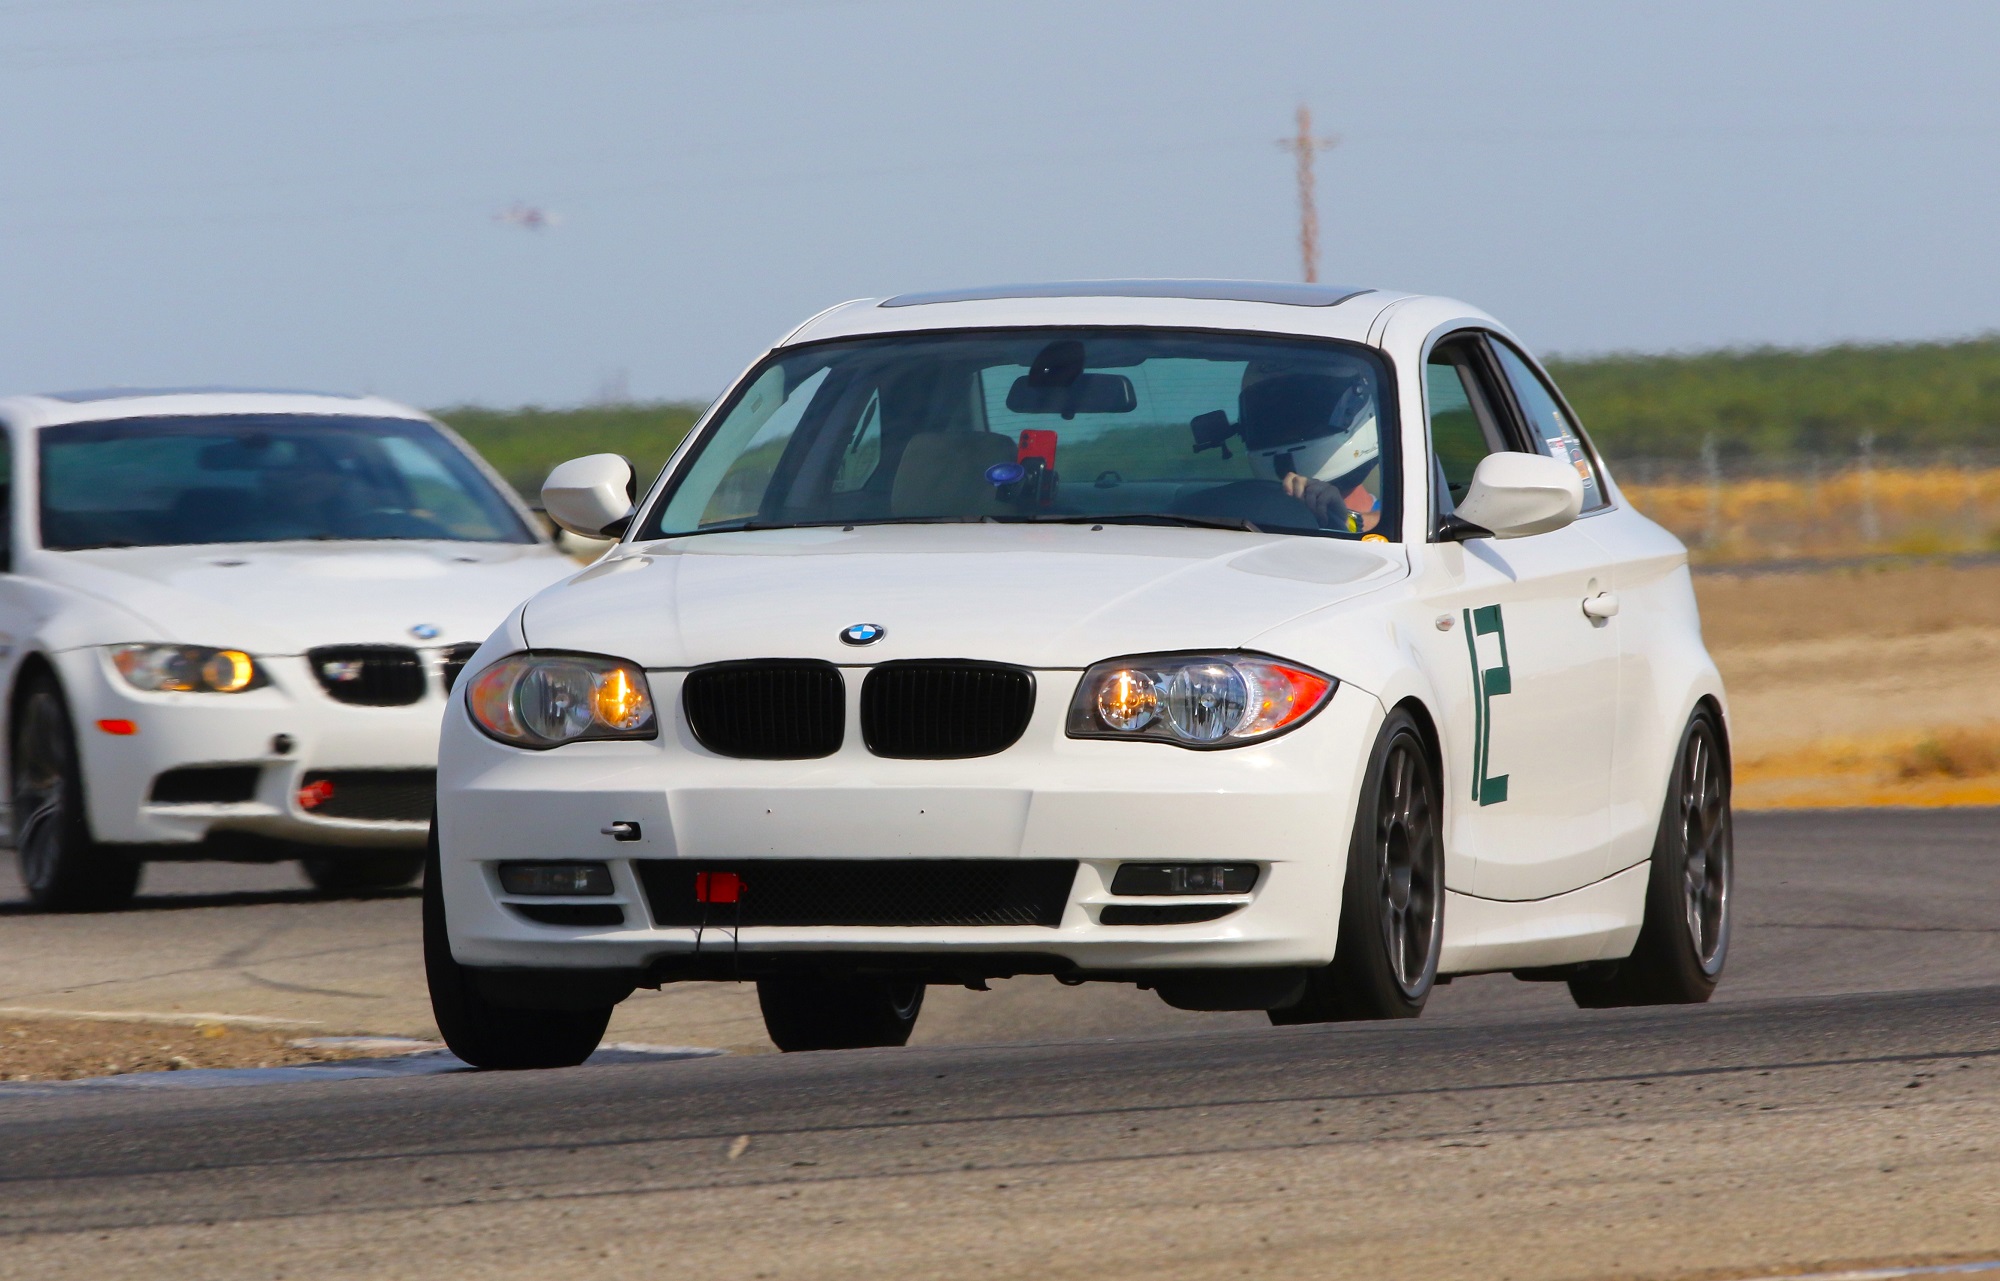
591 496
1513 495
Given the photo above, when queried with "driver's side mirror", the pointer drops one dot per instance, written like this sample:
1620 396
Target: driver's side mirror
591 496
1513 495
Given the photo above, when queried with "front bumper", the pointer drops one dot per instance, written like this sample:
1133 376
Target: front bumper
1287 805
181 730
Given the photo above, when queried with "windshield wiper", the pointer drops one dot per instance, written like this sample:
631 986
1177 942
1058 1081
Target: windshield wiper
1152 518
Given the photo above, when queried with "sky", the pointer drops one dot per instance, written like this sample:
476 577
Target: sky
280 193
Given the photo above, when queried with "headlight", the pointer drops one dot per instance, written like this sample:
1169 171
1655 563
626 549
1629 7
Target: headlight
546 700
1195 700
193 669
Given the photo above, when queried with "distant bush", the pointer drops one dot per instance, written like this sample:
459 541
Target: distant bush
1913 397
525 443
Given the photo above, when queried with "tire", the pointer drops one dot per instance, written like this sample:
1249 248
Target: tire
353 873
1392 906
485 1034
1684 939
63 869
849 1012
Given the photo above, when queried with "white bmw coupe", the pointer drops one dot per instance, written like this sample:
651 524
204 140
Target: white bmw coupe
1272 646
228 622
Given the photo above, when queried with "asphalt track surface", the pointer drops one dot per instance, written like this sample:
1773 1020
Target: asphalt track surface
1844 1113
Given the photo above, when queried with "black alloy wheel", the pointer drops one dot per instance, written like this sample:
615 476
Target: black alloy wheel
1392 907
62 868
1684 940
839 1012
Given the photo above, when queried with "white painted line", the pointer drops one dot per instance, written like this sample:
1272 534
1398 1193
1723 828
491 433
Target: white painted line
1891 1274
426 1063
175 1019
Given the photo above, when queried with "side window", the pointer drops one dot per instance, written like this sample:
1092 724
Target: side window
1551 428
1464 428
6 502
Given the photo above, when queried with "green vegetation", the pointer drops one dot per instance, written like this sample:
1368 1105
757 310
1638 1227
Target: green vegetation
1770 402
524 443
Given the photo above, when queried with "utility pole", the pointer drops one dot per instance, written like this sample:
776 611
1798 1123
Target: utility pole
1303 147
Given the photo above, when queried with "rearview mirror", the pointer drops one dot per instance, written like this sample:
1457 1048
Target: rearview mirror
1514 495
591 496
1084 394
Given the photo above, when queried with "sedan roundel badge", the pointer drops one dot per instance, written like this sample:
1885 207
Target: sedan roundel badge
427 631
862 634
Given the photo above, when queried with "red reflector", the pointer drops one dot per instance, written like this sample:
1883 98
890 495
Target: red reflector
717 887
120 728
313 795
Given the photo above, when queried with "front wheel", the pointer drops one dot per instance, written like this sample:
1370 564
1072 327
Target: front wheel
1685 935
62 868
851 1012
1392 907
485 1034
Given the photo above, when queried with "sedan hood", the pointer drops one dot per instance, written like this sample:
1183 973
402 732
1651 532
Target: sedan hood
1045 596
285 598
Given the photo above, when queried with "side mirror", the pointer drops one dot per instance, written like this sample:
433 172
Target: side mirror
591 496
1513 495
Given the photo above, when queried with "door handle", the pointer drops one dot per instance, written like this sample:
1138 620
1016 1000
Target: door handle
1602 605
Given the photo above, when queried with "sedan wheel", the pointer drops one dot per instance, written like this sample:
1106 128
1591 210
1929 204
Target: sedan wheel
1392 908
1685 938
61 867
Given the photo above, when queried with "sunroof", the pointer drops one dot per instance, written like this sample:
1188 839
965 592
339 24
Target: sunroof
135 393
1273 291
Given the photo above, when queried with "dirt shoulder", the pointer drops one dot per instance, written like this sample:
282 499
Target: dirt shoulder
1860 686
67 1049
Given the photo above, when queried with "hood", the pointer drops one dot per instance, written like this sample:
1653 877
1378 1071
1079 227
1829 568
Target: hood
1043 596
285 598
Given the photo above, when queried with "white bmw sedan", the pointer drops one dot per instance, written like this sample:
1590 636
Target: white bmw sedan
1271 646
228 623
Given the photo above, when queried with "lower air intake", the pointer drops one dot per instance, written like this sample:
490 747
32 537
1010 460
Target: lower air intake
379 795
936 709
864 891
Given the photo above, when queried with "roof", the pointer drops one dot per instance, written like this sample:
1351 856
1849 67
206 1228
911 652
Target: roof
1255 306
52 408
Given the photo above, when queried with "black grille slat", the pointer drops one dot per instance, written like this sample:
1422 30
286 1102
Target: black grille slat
771 710
455 660
865 892
369 675
937 709
206 785
377 795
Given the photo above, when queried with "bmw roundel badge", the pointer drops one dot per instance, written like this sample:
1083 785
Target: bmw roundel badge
862 634
427 631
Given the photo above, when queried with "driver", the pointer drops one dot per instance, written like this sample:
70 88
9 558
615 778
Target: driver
1317 435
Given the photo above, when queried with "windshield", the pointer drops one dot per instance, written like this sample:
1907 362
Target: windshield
1151 426
262 478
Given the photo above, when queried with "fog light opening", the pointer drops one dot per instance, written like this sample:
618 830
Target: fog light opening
544 880
1185 878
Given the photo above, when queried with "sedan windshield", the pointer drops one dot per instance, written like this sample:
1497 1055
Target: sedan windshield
262 478
1146 426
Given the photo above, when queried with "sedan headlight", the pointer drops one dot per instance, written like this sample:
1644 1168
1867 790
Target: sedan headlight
193 669
546 700
1195 700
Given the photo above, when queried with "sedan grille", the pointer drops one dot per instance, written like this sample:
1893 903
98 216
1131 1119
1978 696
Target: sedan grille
769 709
944 709
378 795
455 660
369 675
864 891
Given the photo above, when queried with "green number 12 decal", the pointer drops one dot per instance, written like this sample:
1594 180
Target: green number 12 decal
1488 683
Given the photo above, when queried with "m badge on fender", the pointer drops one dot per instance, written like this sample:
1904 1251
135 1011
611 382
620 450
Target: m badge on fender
1488 683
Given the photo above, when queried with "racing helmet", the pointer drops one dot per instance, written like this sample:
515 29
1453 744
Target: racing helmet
1322 425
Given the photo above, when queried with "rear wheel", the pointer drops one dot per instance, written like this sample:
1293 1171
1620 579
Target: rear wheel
1392 907
352 873
848 1012
1685 938
486 1034
63 869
